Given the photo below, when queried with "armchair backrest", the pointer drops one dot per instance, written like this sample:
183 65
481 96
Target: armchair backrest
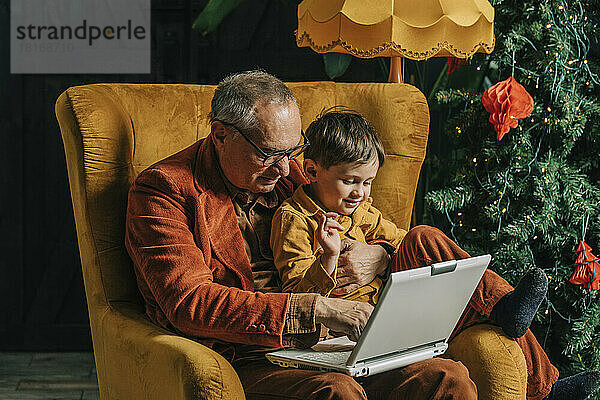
112 132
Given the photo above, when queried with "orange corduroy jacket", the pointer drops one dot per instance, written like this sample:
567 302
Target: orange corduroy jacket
188 253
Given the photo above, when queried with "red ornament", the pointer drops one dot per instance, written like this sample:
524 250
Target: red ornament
507 102
455 63
587 268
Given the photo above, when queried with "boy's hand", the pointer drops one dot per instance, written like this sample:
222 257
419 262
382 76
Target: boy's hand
328 236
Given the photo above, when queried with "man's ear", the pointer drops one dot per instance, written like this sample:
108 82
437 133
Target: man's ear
310 169
218 132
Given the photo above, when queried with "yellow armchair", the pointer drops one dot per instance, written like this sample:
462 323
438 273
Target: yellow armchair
111 132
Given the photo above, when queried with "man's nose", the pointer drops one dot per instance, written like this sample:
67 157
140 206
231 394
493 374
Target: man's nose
282 166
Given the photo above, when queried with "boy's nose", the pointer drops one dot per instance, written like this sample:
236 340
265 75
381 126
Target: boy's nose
357 193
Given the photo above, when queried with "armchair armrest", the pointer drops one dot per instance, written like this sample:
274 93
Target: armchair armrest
139 360
495 362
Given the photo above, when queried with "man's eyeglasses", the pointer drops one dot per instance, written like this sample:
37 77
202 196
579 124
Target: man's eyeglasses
276 156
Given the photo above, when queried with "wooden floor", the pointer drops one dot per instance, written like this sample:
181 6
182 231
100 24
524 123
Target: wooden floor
35 376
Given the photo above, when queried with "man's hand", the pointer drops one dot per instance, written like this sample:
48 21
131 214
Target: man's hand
358 265
345 316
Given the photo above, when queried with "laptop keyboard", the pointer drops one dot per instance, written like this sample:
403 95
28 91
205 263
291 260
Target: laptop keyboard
334 357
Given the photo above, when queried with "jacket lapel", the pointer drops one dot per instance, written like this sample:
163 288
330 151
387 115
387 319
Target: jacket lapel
219 214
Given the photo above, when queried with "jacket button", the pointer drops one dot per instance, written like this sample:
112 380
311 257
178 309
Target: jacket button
262 328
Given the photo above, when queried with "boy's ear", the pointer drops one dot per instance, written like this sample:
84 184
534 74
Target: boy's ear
310 169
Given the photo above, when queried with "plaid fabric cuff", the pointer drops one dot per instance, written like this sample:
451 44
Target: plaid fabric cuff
300 329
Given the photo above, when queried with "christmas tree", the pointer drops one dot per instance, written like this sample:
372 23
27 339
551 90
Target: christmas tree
529 198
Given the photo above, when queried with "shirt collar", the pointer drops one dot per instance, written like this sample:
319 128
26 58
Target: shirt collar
245 197
309 207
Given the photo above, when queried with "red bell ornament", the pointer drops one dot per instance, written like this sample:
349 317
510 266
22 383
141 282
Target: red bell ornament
455 63
507 102
587 268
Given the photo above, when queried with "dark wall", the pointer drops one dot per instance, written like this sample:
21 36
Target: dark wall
41 288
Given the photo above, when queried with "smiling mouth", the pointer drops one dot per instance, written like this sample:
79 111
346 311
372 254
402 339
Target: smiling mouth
352 203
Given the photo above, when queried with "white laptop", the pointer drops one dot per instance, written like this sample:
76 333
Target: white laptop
416 313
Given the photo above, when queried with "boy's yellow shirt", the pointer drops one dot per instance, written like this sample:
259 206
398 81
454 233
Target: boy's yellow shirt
296 250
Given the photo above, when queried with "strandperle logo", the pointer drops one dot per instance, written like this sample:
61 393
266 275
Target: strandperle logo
84 31
86 36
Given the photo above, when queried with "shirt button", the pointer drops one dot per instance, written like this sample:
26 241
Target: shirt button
262 328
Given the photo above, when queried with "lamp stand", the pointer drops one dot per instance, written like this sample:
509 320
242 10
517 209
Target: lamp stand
396 70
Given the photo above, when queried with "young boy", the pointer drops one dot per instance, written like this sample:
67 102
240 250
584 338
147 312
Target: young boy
307 230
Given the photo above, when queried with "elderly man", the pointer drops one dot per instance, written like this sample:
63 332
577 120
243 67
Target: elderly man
198 227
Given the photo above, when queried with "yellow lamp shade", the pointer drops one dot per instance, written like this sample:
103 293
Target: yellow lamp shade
415 29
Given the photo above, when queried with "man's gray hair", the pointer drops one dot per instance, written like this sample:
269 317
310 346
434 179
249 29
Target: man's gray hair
237 96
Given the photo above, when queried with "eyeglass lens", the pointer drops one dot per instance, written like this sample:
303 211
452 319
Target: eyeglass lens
274 159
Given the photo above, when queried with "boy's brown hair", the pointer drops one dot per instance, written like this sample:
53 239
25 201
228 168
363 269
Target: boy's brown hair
340 135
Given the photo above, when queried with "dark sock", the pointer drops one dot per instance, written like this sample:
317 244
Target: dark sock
515 311
576 387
